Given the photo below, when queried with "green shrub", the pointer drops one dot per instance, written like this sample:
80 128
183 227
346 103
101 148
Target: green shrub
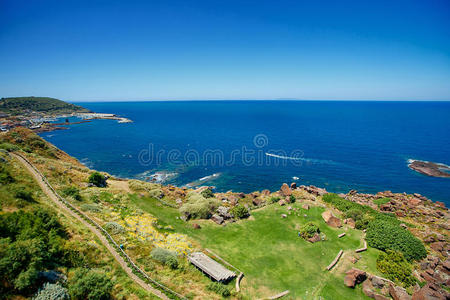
292 198
172 262
385 235
381 201
51 291
219 289
114 228
89 284
395 267
97 179
91 207
25 195
30 242
274 199
239 211
9 147
207 193
165 256
308 230
198 207
73 192
5 176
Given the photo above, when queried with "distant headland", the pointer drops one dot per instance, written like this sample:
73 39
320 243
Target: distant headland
40 113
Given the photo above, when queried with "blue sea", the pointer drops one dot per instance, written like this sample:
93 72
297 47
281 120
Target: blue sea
254 145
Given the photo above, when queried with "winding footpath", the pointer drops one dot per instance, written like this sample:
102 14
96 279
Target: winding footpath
68 212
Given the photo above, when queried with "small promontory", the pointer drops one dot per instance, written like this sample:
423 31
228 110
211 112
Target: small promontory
430 168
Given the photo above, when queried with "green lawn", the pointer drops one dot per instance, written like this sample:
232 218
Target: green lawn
269 252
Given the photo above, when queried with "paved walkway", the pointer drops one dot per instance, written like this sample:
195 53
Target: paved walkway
64 209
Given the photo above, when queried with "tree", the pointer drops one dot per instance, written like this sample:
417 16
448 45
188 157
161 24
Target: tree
97 179
89 284
239 211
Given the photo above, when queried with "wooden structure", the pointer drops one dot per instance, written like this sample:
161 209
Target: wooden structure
330 266
211 267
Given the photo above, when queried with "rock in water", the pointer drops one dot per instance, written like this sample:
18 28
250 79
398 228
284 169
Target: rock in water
429 168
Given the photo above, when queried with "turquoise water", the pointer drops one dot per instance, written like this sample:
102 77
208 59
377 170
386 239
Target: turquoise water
253 145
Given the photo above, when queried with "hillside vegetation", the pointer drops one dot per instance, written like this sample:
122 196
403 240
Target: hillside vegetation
266 235
17 105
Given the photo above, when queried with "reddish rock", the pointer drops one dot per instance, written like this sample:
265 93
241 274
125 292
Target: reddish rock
293 186
285 190
282 202
367 289
380 297
265 192
315 238
331 220
440 204
414 202
305 206
216 218
353 277
350 222
196 226
256 202
398 293
400 213
429 291
446 264
438 246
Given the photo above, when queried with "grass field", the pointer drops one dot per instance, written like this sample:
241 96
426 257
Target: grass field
271 255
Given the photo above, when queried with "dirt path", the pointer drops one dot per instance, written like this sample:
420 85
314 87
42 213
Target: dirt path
101 237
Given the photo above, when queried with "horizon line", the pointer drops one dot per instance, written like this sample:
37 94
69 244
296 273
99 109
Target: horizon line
275 99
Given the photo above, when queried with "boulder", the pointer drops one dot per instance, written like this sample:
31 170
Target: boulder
216 218
331 220
282 202
284 216
446 264
315 238
429 291
353 277
305 206
265 193
256 202
293 186
380 297
350 222
398 293
196 226
285 190
223 212
367 289
377 282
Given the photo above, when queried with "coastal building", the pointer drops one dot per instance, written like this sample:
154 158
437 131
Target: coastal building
211 267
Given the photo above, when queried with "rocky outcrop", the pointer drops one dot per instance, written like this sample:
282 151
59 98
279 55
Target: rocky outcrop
398 293
315 238
218 219
430 168
431 291
313 190
285 190
353 277
331 220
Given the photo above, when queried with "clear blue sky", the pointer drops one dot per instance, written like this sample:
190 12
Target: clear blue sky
145 50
